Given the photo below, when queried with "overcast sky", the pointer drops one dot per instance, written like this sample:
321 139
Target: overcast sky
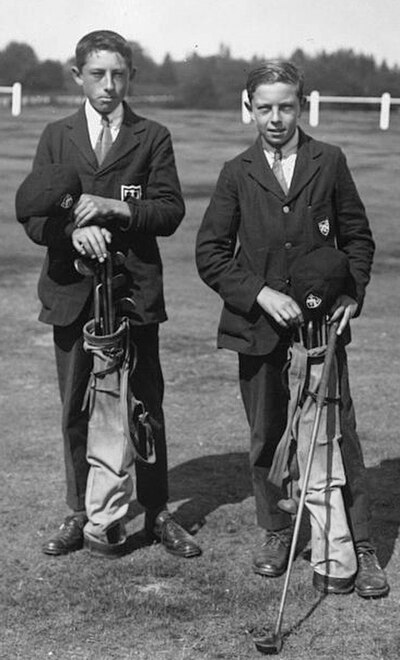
268 28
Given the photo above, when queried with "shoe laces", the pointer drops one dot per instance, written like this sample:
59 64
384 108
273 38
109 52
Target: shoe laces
171 527
70 522
367 557
276 538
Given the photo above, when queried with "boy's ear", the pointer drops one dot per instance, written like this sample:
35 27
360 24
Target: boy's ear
133 73
303 102
76 74
248 106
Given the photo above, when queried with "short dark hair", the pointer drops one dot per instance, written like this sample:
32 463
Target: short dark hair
275 71
102 40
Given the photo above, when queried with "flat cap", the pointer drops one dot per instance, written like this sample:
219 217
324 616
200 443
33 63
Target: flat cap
317 279
49 190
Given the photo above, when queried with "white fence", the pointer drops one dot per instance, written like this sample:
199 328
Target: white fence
16 97
315 99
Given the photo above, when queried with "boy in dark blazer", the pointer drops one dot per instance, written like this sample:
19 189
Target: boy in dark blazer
130 195
283 197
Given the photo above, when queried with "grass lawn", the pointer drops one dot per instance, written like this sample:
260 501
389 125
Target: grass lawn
149 605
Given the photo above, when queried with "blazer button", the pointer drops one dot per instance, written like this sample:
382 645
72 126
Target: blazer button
286 209
288 245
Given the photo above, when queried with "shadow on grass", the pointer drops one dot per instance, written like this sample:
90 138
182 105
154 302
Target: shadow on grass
204 484
384 483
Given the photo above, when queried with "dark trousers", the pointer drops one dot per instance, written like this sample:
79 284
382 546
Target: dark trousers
265 396
73 367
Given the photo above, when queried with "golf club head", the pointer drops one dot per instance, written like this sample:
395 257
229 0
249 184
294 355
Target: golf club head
118 258
84 267
118 281
125 307
269 645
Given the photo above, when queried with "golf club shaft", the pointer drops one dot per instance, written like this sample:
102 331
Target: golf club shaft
330 352
109 279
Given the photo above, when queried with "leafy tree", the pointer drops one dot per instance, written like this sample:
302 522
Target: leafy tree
46 76
166 72
17 61
147 69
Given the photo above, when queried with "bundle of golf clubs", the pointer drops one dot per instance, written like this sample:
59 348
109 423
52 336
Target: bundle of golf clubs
271 645
107 306
107 338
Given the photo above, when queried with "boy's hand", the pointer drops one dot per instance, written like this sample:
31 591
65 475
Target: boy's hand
91 241
92 209
344 309
283 309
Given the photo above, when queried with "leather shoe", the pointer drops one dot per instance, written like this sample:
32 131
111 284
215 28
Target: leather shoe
68 538
111 544
333 585
371 581
272 557
174 538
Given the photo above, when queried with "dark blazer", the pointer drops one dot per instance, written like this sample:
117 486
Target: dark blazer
140 167
252 232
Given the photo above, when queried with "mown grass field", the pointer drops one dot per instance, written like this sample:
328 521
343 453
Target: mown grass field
150 605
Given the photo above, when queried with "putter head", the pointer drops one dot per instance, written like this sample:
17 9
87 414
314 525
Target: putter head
269 645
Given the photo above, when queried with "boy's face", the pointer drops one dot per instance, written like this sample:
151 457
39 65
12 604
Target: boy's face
275 108
104 79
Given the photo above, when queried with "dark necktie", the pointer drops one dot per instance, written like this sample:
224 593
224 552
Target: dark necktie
278 170
104 140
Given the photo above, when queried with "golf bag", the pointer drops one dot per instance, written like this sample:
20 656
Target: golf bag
119 427
332 549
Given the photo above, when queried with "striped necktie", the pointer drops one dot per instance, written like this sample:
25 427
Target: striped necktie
278 170
104 140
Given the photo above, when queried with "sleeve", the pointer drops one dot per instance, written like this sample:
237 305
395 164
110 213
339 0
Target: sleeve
161 212
354 235
50 232
217 259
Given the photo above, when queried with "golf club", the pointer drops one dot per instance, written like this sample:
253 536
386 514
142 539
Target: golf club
97 310
125 307
272 645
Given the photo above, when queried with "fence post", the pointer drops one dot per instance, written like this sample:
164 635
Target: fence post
16 99
314 108
385 112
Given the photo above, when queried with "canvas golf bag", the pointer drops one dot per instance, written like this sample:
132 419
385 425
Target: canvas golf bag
120 431
332 549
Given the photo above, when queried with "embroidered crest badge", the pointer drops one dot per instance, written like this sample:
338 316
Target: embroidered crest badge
313 301
66 201
131 192
324 227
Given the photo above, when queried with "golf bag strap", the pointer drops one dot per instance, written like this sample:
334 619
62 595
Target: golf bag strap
135 418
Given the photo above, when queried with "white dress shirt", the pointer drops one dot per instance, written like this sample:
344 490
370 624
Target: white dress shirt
289 155
95 126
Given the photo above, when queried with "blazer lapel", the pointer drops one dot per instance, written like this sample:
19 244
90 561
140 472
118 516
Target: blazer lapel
259 169
79 135
307 165
127 140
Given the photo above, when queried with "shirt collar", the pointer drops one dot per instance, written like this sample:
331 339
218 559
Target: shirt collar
115 117
288 148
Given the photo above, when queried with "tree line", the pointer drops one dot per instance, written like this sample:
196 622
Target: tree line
215 81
